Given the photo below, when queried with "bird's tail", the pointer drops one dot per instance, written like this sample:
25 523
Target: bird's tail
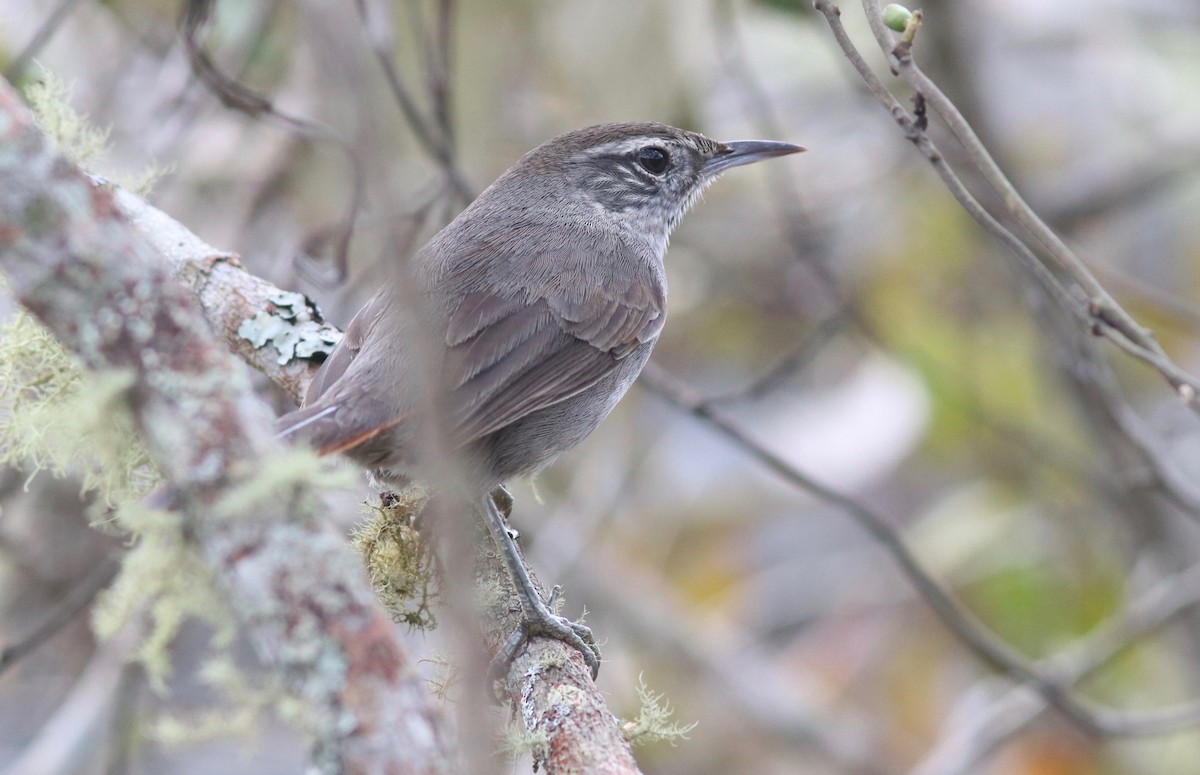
294 422
329 430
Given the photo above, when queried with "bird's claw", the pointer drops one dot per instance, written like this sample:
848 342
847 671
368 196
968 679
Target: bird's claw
543 623
537 617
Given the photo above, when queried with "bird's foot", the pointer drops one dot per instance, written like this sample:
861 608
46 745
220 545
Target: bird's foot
537 618
543 622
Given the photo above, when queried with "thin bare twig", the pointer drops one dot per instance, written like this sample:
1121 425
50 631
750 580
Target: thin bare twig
438 143
439 70
236 95
66 742
801 355
981 641
786 202
985 729
914 132
1102 313
735 672
1185 311
1078 300
63 612
53 22
1121 185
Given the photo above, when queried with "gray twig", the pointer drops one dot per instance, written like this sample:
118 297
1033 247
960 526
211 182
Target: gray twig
1100 312
984 729
439 142
233 94
63 612
53 22
981 641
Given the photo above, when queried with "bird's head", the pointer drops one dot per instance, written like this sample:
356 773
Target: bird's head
644 174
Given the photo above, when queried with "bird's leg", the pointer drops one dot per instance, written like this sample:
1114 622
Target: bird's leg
536 617
503 500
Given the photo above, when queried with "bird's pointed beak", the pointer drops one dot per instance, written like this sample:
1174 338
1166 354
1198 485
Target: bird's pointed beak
741 152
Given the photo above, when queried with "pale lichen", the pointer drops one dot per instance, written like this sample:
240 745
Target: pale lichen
445 678
279 476
57 418
516 741
49 98
653 721
163 578
294 328
143 183
400 563
242 706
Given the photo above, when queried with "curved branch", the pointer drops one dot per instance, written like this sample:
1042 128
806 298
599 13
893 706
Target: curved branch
238 96
437 142
53 23
1090 312
63 612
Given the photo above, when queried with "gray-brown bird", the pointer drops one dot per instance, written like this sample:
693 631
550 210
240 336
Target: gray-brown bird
540 304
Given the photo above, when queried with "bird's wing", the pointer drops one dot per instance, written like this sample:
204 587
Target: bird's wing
327 423
338 361
509 357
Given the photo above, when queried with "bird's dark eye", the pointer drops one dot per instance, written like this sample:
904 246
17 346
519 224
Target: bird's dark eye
653 159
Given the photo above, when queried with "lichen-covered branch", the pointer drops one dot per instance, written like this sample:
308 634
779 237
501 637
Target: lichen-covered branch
559 714
73 260
276 331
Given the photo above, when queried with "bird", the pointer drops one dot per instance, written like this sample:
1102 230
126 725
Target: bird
520 325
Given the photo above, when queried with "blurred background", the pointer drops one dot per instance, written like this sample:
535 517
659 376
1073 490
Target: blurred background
838 307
